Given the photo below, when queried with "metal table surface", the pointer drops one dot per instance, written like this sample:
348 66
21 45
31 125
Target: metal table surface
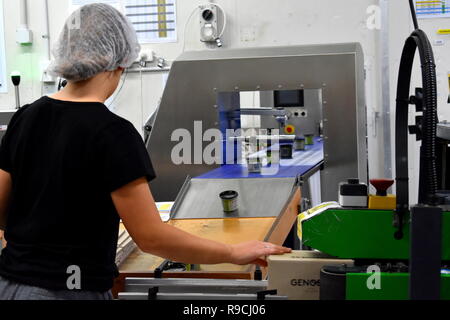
258 198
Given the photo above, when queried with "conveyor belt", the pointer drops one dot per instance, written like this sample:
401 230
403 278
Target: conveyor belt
299 165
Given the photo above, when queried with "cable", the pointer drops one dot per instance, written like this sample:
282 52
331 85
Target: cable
413 14
47 31
428 170
418 40
42 84
186 25
118 92
142 98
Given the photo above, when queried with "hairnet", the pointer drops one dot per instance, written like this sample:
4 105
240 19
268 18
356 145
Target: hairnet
95 38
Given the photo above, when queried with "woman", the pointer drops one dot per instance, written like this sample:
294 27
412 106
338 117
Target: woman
70 169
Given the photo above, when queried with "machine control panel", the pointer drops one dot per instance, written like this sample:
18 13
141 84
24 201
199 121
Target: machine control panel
298 112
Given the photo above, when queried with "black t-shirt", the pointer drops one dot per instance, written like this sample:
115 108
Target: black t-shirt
65 159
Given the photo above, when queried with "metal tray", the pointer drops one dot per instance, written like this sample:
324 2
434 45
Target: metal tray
258 198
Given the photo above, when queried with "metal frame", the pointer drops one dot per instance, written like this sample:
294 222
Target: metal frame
196 289
218 286
426 253
196 296
197 78
385 88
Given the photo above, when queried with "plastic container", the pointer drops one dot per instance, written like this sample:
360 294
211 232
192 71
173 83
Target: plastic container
254 165
309 139
299 144
229 200
286 151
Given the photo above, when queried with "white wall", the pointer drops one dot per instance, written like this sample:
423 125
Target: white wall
252 23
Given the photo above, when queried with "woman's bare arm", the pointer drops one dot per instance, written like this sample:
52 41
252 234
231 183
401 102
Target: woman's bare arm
5 191
136 206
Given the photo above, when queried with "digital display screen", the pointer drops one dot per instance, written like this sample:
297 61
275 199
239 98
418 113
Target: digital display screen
289 98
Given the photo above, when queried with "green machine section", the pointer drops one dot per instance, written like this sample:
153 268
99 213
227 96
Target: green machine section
361 234
393 286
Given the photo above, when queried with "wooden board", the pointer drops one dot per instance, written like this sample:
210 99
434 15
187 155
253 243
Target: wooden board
230 231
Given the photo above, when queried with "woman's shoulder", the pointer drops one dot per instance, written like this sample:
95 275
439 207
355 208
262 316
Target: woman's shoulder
115 122
93 117
115 127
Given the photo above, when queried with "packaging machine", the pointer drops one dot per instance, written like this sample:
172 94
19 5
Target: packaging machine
315 93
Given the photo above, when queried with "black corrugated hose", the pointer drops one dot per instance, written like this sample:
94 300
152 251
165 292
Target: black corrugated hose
428 171
428 180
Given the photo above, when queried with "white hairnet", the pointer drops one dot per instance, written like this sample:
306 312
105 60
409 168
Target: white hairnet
95 38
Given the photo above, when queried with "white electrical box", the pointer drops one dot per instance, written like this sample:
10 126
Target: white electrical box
208 23
24 36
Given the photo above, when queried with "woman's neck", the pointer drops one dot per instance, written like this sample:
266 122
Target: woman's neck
97 89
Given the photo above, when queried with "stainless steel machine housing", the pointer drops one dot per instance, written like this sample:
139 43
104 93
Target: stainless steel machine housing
198 78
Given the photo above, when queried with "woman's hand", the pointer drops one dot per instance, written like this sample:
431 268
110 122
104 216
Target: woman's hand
2 240
255 252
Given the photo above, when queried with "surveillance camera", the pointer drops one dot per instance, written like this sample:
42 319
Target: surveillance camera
208 14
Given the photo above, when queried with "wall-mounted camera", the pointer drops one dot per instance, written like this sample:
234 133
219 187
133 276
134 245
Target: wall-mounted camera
208 23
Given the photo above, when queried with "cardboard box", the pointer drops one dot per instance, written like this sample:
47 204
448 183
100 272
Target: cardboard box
297 274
